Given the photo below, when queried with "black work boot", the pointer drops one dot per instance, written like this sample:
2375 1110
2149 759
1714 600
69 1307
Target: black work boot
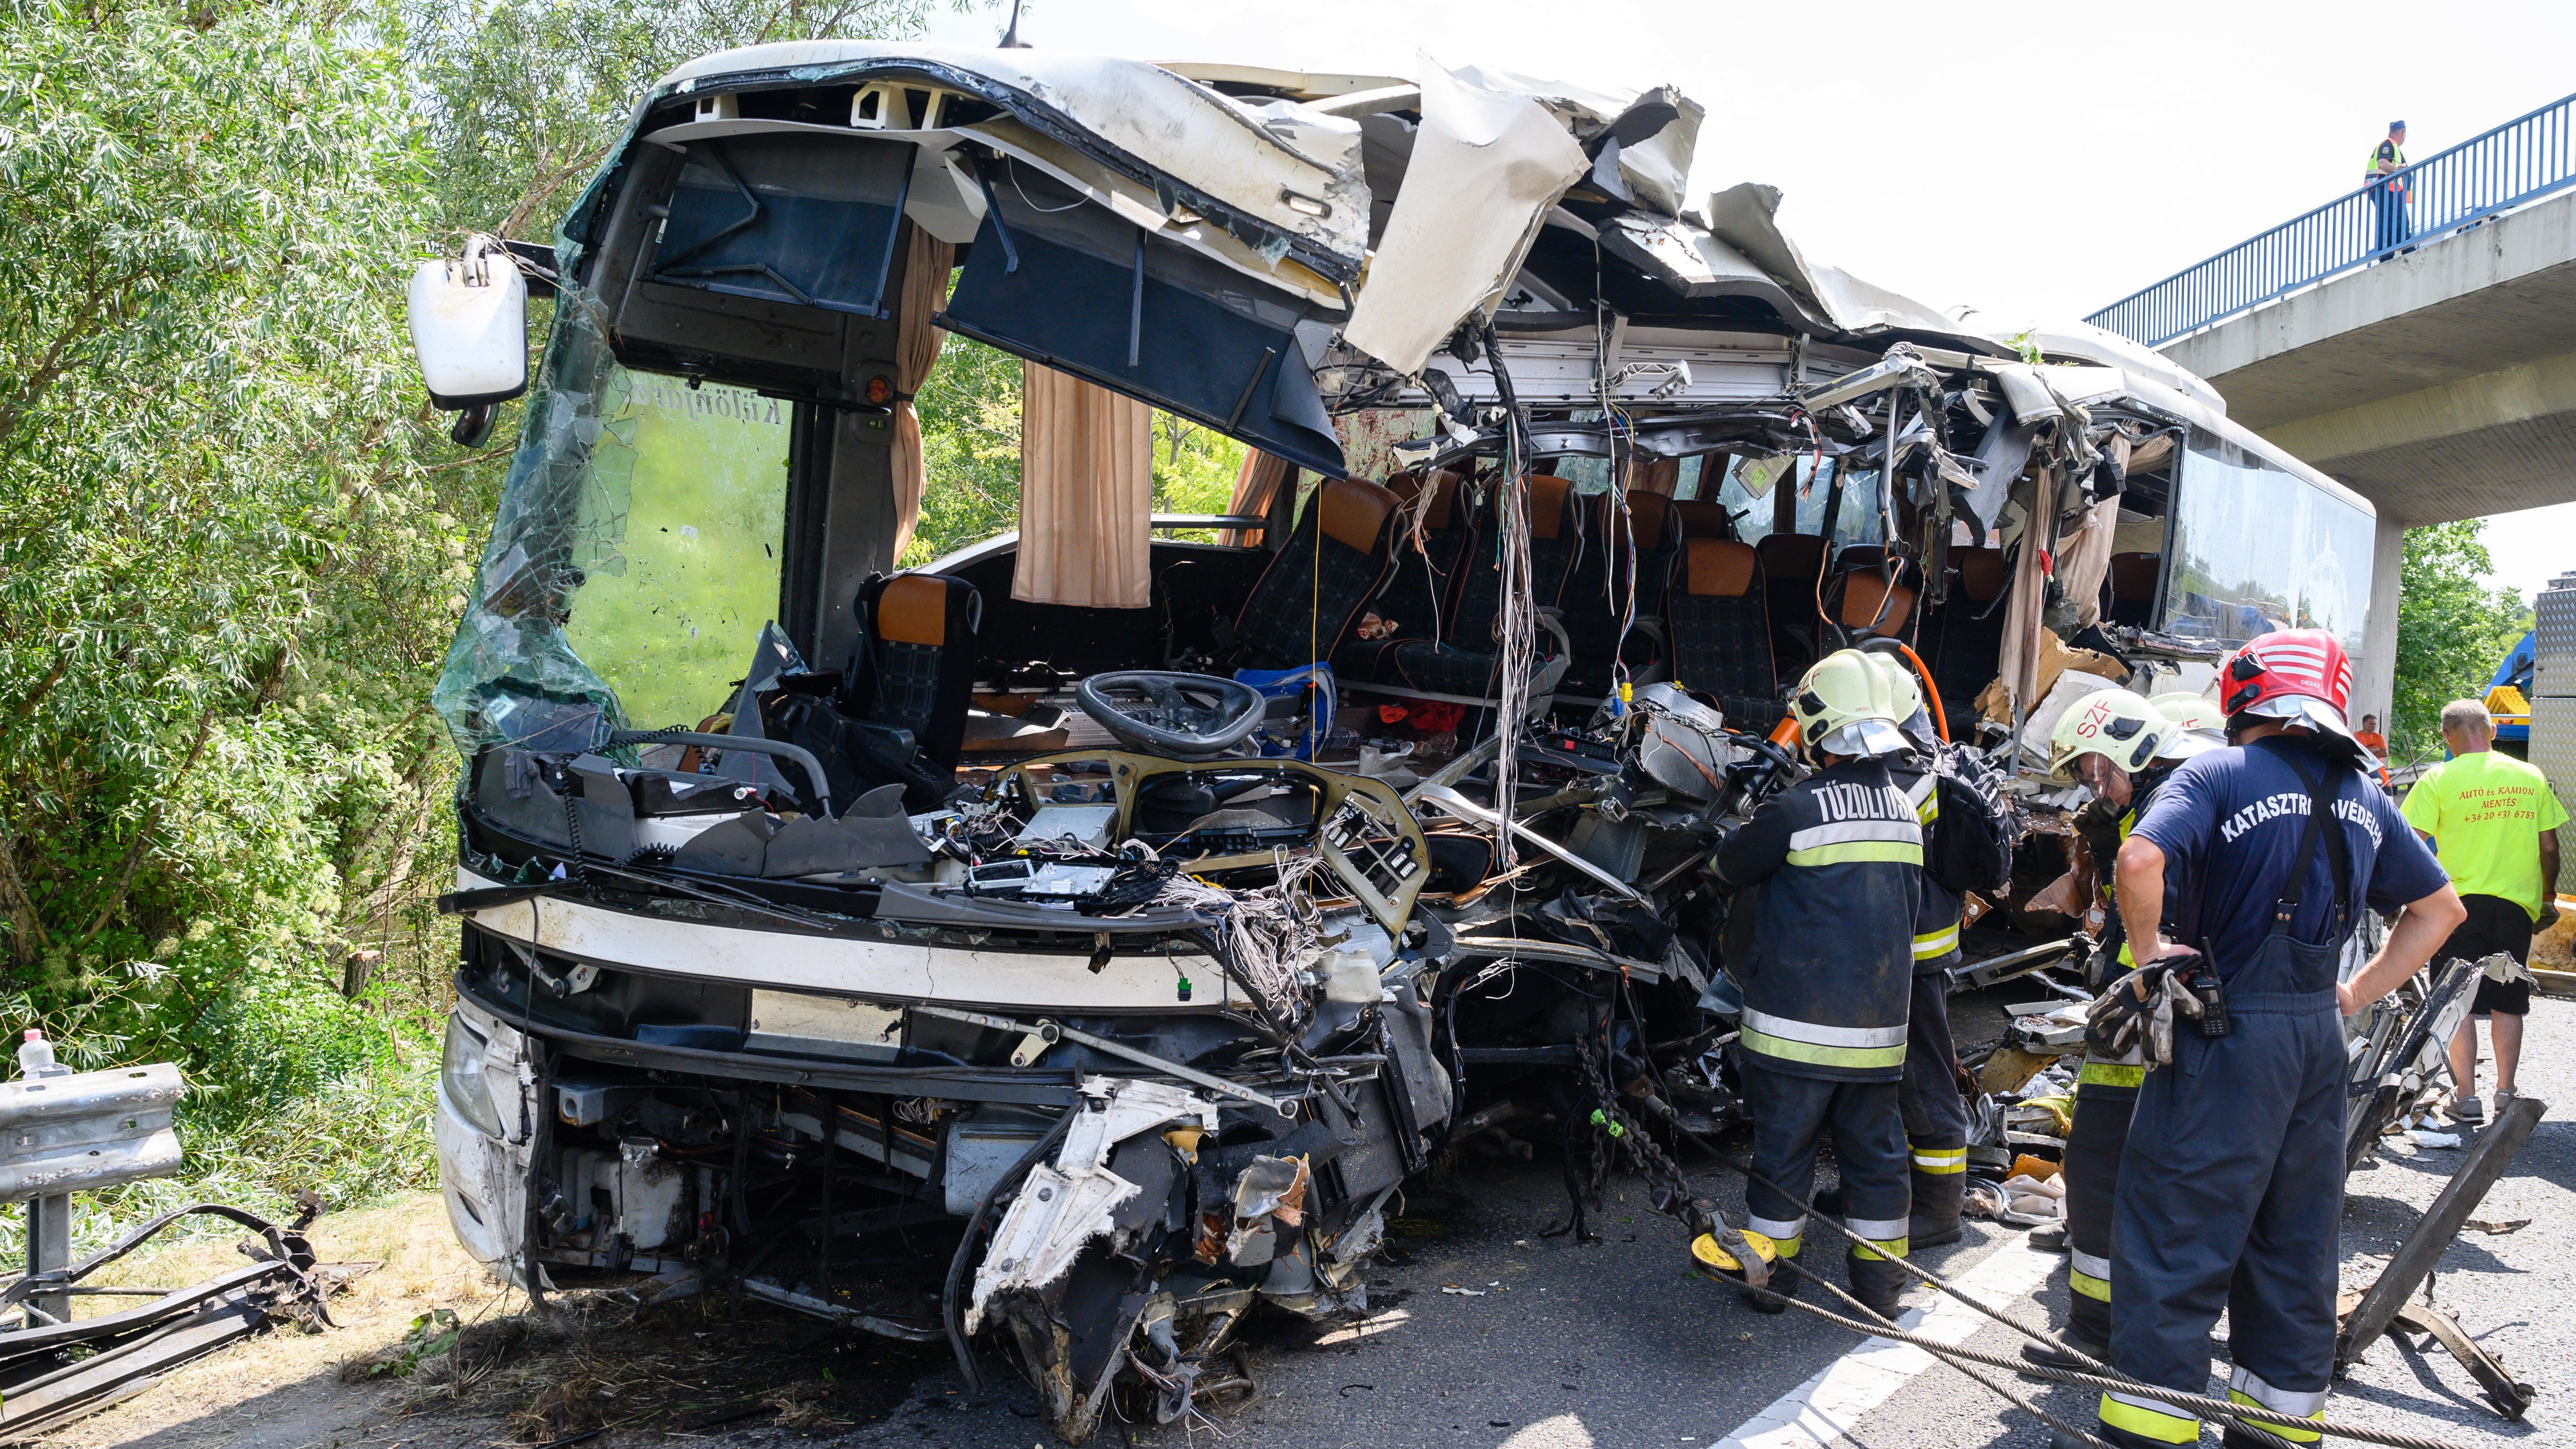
2099 1350
1775 1297
1877 1282
1937 1199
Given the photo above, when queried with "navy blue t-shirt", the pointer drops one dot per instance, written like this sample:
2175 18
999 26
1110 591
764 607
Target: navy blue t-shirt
2230 823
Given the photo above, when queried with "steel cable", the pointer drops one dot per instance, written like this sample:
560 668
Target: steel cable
2215 1410
2220 1411
2007 1395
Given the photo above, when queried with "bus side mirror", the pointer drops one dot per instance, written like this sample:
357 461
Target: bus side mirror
469 327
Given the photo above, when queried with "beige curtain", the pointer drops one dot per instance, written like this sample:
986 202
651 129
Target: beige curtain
1086 494
916 350
2019 657
1654 475
2084 558
1256 487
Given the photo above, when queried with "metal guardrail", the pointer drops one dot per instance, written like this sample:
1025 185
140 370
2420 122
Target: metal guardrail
2518 162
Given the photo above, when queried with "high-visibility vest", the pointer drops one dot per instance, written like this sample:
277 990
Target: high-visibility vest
2370 167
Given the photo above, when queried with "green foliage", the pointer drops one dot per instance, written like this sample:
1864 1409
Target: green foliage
970 432
970 444
1194 469
221 571
2451 631
233 540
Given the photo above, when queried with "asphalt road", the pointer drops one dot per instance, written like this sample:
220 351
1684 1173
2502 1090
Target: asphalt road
1546 1344
1617 1344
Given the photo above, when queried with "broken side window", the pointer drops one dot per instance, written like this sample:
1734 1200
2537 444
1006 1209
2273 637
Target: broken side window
633 558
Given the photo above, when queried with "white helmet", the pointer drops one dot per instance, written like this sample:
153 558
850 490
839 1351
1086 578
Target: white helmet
1849 705
2203 727
2116 724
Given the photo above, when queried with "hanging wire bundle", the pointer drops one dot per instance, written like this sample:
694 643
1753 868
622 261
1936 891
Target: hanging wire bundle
1265 936
1516 622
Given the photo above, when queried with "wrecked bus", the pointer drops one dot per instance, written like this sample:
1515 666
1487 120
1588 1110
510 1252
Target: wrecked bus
1078 941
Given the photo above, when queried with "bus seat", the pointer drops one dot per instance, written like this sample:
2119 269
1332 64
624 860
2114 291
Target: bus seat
1480 593
915 664
1700 518
1420 586
1970 625
1789 565
1312 593
1596 588
1463 664
1720 617
1864 595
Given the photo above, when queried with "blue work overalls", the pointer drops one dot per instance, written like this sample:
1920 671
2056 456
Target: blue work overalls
2231 1187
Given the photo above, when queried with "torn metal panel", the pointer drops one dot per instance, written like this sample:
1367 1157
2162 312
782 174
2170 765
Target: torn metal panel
1294 170
2084 342
1646 159
1065 1204
1696 264
1485 168
2001 455
1296 85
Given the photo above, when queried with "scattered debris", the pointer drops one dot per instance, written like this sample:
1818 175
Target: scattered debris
1069 945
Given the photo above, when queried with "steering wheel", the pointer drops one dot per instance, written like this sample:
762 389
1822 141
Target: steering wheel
1190 716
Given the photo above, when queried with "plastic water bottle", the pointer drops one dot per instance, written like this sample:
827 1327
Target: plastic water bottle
36 1057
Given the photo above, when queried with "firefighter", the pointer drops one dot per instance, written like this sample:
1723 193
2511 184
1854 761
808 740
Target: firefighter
2119 747
1928 1098
2197 712
1828 876
2262 853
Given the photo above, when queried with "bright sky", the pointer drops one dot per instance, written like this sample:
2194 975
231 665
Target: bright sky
2037 160
2532 547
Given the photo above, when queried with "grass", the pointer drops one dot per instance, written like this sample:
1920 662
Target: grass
355 1141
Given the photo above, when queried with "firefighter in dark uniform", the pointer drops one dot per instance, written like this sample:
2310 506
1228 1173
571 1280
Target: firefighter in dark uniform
2231 1184
1828 875
2120 747
1928 1098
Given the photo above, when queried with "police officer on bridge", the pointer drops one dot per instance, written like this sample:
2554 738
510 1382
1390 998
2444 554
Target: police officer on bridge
2232 1180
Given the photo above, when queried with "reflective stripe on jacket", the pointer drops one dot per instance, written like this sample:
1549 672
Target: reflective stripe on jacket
1830 871
1936 923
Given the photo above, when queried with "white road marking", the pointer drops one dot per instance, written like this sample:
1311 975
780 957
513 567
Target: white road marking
1844 1391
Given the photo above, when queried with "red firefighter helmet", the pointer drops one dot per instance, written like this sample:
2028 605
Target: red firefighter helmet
2297 676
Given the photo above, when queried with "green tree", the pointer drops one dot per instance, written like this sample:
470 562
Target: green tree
970 430
233 539
223 574
2451 630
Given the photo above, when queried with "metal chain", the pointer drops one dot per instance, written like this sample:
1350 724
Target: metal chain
1657 1166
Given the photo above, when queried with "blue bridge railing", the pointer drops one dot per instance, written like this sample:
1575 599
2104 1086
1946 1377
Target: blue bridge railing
2523 159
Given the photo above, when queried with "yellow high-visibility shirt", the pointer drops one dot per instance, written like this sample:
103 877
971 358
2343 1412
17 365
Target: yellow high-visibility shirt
2485 813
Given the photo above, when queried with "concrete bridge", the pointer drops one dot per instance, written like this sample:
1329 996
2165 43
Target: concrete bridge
2438 382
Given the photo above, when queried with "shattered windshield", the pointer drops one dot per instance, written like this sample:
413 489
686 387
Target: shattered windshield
634 558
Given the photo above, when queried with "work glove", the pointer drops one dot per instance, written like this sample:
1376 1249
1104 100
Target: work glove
2137 1011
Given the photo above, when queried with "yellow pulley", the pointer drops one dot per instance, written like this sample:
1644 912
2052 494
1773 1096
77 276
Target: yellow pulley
1710 1259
